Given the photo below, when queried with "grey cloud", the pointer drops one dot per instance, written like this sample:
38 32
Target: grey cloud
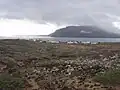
62 11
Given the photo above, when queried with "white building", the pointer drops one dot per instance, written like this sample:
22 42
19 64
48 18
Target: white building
70 42
86 42
54 42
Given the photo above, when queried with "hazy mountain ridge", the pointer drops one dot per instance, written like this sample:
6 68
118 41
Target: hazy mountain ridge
84 31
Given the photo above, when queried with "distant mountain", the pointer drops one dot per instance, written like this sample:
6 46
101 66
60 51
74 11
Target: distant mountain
84 31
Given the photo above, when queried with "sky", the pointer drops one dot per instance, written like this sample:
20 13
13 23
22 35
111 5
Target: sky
42 17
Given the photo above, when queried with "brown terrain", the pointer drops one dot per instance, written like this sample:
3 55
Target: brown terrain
29 65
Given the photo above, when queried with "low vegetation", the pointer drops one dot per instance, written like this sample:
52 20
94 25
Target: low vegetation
8 82
33 65
109 78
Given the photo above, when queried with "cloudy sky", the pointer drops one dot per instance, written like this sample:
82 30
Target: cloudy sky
45 16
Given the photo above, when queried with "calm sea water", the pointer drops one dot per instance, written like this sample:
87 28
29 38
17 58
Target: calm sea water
64 39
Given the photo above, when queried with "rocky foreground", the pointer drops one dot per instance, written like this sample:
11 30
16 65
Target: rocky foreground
28 65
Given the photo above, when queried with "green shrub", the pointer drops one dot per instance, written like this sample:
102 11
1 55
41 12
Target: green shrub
10 62
8 82
111 77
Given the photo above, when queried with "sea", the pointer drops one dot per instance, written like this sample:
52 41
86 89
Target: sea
64 39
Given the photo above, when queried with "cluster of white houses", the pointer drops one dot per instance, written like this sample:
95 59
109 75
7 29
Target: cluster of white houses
65 42
73 42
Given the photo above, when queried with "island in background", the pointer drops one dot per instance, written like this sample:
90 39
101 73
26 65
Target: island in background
84 32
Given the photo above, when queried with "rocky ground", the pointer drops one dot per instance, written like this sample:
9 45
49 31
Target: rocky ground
32 65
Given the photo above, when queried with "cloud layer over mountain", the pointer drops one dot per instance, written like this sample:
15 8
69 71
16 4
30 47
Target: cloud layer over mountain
104 13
